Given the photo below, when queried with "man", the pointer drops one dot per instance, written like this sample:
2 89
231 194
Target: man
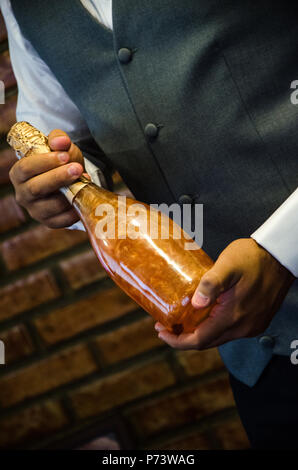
190 101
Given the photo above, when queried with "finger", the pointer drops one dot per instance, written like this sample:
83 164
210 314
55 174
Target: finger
214 282
65 219
47 207
49 182
183 341
159 326
76 154
194 340
34 165
212 331
219 322
59 140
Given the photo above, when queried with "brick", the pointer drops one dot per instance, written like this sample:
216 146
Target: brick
231 435
128 341
183 407
95 310
33 423
27 293
121 388
199 362
6 72
7 159
197 440
38 243
47 374
82 269
8 114
3 32
18 343
12 215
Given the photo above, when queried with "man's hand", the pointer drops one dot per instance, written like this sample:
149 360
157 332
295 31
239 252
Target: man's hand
37 179
248 286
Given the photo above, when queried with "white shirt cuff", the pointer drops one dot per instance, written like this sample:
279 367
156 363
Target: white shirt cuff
94 173
77 226
279 234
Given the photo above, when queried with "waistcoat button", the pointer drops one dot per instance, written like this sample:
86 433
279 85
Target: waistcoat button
185 199
267 341
151 130
124 55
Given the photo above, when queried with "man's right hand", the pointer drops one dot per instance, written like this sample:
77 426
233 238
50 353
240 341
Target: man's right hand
37 179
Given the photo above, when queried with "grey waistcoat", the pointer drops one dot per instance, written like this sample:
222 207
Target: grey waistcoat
214 77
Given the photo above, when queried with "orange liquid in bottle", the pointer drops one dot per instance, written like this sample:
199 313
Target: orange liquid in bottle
159 274
156 271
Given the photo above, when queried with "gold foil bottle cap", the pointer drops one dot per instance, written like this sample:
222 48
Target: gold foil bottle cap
25 138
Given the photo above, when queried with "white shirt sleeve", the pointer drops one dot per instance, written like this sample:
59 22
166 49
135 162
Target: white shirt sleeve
279 234
42 100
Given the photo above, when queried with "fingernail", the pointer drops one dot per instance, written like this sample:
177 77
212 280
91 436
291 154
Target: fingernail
201 299
57 139
63 157
74 170
159 328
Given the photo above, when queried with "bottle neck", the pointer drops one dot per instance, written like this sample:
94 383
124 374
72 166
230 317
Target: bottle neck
72 190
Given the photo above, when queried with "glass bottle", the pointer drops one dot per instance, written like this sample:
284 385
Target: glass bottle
142 249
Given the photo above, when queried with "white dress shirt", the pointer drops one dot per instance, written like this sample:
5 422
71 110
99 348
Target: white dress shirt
43 102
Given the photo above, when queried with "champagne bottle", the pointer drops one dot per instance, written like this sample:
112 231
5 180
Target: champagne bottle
142 249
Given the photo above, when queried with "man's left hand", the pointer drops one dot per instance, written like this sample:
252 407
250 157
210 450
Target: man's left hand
247 284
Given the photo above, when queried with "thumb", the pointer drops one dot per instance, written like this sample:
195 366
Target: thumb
59 140
221 277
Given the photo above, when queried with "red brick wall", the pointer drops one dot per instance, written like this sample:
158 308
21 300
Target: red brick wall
79 352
